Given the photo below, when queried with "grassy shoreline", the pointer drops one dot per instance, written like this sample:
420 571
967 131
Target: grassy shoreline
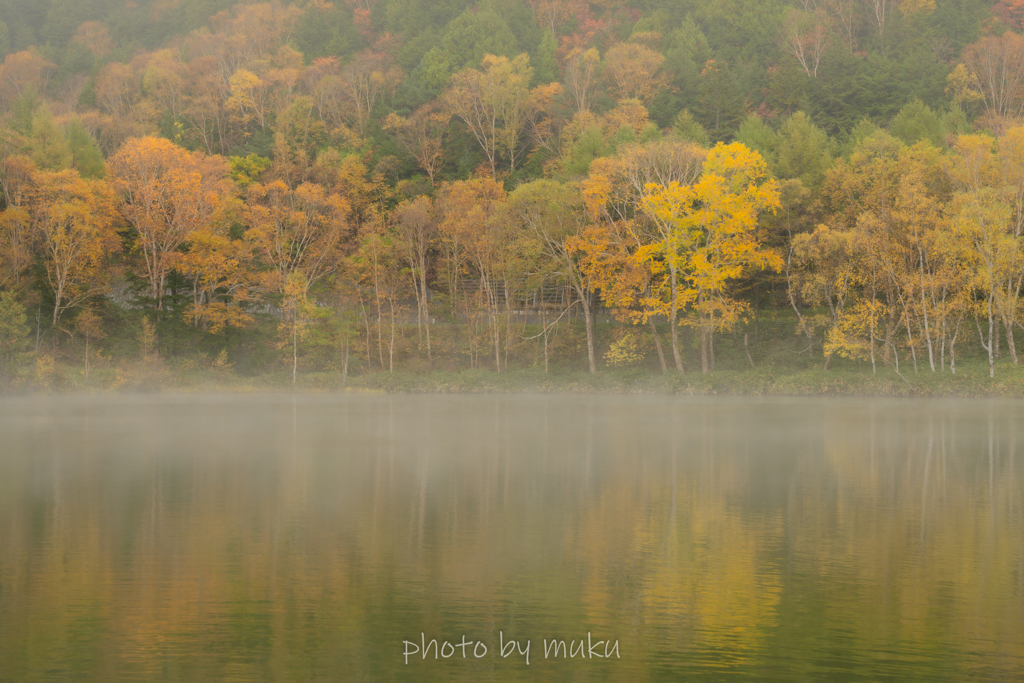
784 367
971 380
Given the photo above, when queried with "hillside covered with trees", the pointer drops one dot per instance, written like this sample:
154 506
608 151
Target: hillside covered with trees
369 185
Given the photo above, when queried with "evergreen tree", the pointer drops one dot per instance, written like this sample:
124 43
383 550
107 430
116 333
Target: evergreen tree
86 156
916 121
688 128
545 68
757 135
804 151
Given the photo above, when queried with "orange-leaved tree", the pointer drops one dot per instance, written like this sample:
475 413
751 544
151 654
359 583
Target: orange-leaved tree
295 231
473 232
166 194
224 279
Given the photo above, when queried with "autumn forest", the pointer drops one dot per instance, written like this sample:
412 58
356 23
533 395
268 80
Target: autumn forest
368 186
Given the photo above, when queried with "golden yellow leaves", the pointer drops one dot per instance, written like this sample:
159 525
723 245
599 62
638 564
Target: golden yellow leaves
76 222
675 226
708 228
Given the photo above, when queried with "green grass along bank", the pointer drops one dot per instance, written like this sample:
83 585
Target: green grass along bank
970 380
776 362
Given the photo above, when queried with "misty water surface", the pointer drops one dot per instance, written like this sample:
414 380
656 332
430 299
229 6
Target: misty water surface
280 538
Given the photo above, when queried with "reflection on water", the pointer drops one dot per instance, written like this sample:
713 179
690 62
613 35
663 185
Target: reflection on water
305 538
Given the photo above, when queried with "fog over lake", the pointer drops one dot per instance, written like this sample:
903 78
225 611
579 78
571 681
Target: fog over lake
550 538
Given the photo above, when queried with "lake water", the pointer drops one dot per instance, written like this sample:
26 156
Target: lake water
333 538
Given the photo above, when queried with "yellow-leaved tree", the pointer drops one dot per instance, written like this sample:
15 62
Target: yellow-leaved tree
76 225
609 250
708 238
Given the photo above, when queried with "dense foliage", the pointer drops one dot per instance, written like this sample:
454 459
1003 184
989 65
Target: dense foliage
448 184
